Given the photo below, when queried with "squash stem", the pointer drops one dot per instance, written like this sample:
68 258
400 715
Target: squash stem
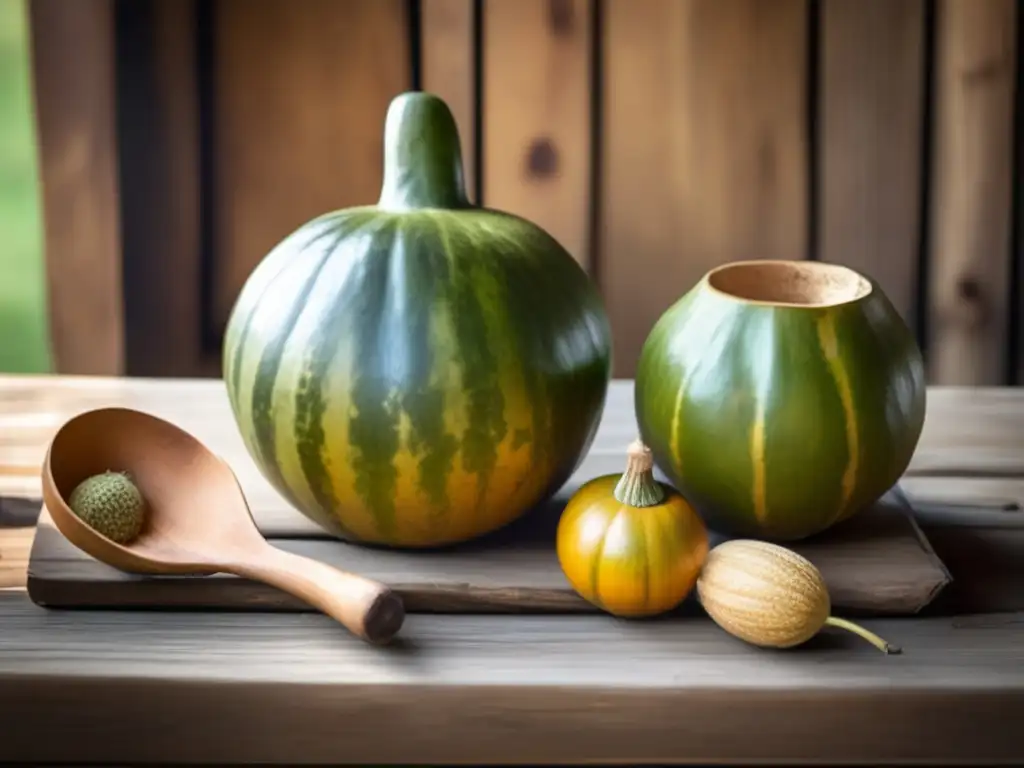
637 486
422 155
871 637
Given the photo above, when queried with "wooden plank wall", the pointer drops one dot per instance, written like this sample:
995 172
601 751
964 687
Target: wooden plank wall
73 69
654 138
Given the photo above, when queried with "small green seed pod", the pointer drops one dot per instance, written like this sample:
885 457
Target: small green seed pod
111 504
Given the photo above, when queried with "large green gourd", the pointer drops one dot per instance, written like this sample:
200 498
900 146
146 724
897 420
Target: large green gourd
421 371
781 397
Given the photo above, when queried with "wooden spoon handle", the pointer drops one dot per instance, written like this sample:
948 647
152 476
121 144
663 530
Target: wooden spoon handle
369 609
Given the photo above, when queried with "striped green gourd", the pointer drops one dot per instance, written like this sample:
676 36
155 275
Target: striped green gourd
781 397
421 371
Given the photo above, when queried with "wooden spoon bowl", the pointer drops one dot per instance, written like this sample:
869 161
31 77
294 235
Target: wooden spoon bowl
197 519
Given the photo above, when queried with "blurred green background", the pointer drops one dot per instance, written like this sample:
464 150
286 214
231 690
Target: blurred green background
24 335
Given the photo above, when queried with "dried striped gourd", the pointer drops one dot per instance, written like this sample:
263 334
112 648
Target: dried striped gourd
770 596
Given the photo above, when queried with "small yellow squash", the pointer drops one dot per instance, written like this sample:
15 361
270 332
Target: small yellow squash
630 545
770 596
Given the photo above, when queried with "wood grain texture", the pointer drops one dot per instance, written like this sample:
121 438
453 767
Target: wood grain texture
970 239
73 71
967 432
292 688
537 115
880 564
972 432
704 151
976 526
951 494
448 69
302 90
15 546
482 690
871 94
158 135
18 512
971 445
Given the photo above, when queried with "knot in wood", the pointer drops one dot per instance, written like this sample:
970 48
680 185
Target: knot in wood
541 158
560 17
971 298
967 288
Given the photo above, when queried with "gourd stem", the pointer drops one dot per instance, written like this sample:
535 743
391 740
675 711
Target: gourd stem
871 637
422 155
637 486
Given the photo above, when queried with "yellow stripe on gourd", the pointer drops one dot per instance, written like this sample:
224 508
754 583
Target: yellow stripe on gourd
622 574
283 401
759 493
665 565
830 349
248 364
410 497
515 478
677 411
335 453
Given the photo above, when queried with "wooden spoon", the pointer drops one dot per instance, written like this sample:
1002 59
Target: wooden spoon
197 518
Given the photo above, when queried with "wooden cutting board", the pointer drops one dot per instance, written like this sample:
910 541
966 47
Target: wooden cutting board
878 563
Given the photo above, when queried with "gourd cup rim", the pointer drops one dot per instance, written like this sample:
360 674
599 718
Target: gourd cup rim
789 283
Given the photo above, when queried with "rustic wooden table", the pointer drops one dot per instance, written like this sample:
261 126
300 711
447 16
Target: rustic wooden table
127 688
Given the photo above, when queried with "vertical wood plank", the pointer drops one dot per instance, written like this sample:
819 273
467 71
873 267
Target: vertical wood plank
537 115
159 136
705 149
73 72
448 69
302 89
871 97
970 217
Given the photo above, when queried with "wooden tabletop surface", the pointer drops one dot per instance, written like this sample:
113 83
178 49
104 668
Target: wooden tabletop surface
128 688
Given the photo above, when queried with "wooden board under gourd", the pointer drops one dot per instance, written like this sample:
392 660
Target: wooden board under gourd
879 562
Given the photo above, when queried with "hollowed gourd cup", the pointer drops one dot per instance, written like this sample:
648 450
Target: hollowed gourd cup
781 397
